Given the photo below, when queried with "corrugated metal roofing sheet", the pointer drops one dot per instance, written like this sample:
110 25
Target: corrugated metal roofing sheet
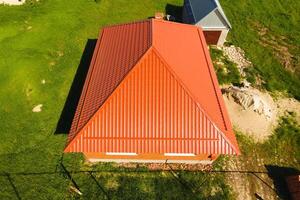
190 61
170 100
151 111
117 51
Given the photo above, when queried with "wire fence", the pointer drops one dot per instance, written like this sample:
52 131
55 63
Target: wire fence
174 174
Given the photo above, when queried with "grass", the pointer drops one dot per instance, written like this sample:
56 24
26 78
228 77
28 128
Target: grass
227 71
284 145
281 19
281 149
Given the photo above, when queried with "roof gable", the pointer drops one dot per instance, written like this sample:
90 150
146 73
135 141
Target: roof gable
202 8
131 118
213 20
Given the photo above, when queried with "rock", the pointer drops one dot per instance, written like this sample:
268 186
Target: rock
219 63
76 190
249 100
37 108
237 55
246 84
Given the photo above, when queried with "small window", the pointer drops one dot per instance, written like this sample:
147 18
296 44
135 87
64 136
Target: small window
179 154
120 154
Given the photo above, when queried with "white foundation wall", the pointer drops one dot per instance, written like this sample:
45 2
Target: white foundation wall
222 37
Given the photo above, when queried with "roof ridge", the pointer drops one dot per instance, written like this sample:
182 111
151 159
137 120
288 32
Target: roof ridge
88 78
222 110
210 74
93 115
88 85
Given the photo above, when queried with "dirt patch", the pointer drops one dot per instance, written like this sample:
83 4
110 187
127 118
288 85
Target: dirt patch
288 105
259 123
281 49
247 120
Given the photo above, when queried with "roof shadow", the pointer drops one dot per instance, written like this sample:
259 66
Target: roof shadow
278 175
66 117
175 11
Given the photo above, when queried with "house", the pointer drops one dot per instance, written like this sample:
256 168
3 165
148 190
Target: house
151 95
209 15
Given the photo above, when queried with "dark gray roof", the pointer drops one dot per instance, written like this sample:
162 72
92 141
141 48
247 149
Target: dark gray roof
202 8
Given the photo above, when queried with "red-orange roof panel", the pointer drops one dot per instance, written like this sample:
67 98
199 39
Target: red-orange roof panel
117 51
150 111
184 49
165 100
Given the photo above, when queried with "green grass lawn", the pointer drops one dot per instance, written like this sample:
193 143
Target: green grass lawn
45 41
227 71
264 29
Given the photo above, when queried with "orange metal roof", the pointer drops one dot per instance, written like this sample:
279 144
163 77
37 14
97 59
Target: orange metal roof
118 49
169 101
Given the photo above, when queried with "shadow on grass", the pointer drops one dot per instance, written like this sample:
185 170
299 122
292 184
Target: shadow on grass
99 186
278 175
65 121
174 183
175 11
11 182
